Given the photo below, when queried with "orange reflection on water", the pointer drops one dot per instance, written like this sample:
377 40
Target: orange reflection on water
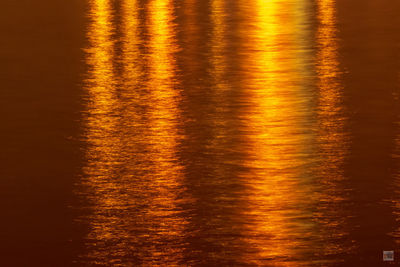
191 36
278 121
218 40
164 119
219 64
332 140
133 177
259 147
100 61
103 142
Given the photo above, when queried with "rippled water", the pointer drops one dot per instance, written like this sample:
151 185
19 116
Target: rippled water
201 133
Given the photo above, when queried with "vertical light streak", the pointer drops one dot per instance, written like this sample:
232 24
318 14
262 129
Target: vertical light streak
133 176
164 120
332 139
101 135
278 118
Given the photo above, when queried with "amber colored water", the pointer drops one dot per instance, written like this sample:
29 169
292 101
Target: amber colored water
199 132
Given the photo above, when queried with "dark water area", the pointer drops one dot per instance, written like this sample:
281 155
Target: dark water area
41 67
199 133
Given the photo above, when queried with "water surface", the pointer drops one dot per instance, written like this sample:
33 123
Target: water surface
201 133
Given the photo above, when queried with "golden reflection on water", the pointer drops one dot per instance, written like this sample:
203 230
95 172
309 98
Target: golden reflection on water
164 119
216 138
133 179
332 138
278 122
101 124
219 64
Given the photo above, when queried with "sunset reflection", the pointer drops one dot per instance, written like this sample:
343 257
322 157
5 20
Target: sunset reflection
164 120
132 136
200 133
332 139
220 133
280 204
101 118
